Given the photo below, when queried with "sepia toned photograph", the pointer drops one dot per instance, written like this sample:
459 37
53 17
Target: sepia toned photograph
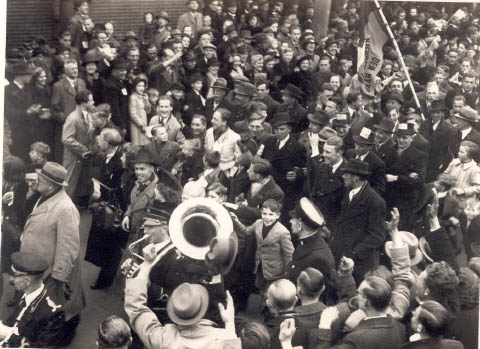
240 174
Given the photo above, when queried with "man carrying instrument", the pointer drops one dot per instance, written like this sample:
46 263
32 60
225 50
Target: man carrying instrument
171 267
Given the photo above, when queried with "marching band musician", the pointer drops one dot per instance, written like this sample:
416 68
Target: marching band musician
38 318
171 267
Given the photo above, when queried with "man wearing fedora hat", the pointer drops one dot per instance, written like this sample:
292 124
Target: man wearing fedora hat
405 176
52 232
186 308
218 100
443 137
288 158
364 143
361 225
384 146
116 94
292 97
308 138
142 193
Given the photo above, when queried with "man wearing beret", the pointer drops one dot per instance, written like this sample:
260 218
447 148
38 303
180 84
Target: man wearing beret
361 225
39 317
52 232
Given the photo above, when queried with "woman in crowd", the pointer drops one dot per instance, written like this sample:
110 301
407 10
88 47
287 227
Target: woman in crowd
138 106
41 123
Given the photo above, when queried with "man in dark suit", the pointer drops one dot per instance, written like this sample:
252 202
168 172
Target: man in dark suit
64 92
116 95
406 177
18 110
312 250
38 319
263 187
218 100
363 151
194 101
444 140
288 158
361 226
419 142
263 95
384 146
163 75
376 330
328 190
165 152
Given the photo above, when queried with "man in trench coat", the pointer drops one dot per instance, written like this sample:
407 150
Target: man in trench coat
52 232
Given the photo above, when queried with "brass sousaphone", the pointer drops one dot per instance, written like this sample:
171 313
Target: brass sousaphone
195 222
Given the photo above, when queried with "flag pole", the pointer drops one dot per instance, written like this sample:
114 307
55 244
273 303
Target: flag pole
402 62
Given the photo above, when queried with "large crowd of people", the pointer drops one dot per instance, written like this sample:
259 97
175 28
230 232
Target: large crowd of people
351 216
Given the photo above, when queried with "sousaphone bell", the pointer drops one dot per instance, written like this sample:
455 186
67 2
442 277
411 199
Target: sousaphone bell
195 222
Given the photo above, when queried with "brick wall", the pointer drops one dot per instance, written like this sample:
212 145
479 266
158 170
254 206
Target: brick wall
27 18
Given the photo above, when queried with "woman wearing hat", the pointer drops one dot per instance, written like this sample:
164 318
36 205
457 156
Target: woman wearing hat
91 76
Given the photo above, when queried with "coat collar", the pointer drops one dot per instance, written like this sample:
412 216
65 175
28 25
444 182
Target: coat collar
51 202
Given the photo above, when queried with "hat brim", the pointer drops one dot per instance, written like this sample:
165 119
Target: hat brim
356 172
405 133
316 121
361 140
290 93
226 267
63 184
202 291
413 261
376 127
460 116
422 245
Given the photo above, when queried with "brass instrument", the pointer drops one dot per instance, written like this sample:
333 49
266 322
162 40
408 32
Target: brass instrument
195 222
192 226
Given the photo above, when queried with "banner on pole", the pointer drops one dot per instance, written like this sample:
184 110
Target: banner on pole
373 35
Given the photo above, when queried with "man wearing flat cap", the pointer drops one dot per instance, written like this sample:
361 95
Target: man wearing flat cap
39 317
405 177
361 225
464 118
52 232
